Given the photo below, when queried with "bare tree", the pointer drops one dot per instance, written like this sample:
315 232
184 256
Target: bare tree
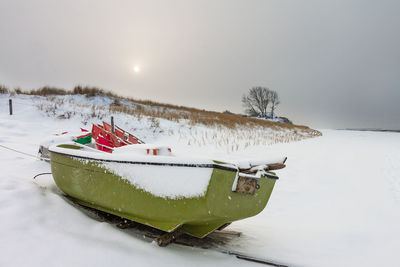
257 100
274 98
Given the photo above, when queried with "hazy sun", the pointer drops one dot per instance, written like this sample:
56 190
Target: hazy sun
136 68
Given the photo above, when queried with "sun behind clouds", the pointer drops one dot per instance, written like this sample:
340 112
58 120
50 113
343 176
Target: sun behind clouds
136 68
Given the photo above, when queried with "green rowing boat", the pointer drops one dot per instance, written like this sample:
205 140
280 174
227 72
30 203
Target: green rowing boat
195 196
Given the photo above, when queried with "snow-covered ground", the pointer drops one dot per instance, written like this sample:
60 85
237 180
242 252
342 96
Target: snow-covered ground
336 204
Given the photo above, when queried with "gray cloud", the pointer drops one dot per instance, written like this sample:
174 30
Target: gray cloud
334 63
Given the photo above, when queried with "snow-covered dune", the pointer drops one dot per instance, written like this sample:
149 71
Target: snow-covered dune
336 203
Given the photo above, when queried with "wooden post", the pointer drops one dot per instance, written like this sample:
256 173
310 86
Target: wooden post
112 125
10 104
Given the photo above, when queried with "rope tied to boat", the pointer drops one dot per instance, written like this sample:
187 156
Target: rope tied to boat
27 154
21 152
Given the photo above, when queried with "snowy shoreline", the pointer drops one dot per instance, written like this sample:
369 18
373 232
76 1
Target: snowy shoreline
370 130
335 204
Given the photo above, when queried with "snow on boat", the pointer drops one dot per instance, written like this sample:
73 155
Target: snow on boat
149 185
82 137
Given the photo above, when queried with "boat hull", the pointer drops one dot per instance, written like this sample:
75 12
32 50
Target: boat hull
92 185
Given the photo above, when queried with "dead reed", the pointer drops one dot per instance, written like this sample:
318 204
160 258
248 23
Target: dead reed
147 108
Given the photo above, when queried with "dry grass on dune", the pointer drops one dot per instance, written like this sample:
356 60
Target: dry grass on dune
208 118
78 90
4 89
167 111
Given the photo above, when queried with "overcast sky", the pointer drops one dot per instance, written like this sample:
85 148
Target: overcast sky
334 63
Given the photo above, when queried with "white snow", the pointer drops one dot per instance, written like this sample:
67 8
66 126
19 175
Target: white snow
143 149
249 163
164 181
128 156
335 204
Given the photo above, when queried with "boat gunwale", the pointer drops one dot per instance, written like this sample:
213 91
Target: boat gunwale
193 165
190 165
